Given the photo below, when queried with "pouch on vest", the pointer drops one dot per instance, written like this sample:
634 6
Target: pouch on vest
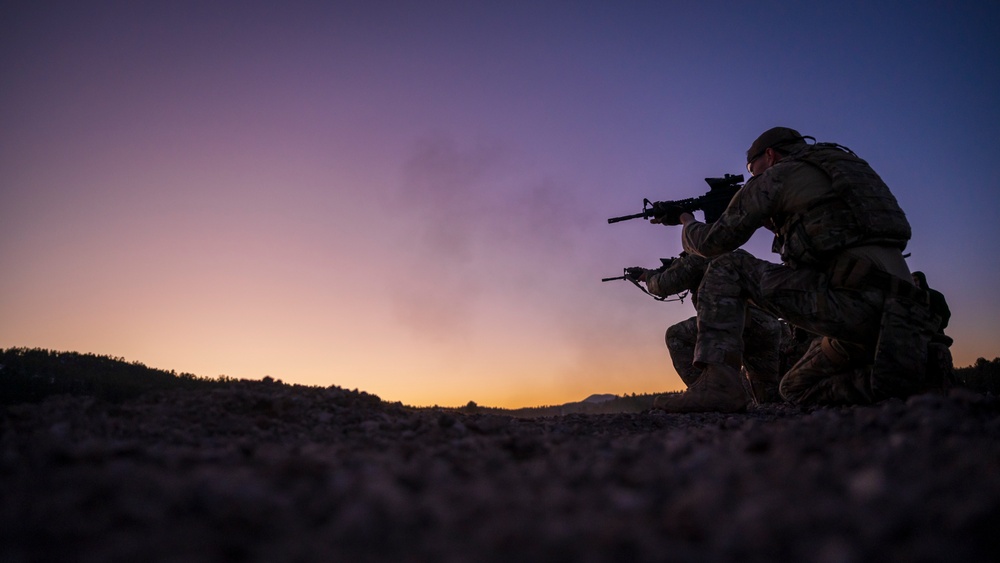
900 367
940 368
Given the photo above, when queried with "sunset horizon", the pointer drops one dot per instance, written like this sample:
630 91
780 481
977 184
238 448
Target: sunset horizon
413 201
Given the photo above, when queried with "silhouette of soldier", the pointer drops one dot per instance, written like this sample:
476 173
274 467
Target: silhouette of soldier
840 234
938 304
761 333
939 362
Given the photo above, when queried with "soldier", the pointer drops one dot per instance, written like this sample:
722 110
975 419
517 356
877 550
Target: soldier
940 364
939 306
794 343
761 335
840 234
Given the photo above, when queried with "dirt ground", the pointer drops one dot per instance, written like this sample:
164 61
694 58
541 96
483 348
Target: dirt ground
268 472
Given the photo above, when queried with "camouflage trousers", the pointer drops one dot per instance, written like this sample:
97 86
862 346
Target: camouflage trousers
802 297
794 343
762 342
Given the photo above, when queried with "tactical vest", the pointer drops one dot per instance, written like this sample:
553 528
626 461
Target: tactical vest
860 210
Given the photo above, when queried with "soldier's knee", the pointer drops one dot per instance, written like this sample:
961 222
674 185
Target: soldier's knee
685 331
725 259
673 332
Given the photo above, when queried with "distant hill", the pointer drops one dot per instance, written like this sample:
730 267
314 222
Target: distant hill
31 374
594 404
600 398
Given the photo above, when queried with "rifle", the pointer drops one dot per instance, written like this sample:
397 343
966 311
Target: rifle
632 274
713 203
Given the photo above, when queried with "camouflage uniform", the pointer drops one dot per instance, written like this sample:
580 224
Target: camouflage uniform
939 305
837 228
761 335
940 361
794 343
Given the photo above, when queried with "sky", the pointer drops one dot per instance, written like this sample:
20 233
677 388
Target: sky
411 198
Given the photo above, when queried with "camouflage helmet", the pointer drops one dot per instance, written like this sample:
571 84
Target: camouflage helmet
775 137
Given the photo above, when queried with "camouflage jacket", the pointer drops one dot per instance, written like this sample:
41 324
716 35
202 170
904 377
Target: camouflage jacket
817 202
684 274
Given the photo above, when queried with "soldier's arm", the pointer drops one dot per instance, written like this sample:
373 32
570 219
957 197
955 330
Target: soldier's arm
683 275
749 210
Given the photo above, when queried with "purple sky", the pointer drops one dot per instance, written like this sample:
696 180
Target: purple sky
412 201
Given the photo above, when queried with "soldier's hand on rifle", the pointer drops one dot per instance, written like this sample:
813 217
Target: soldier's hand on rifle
636 274
668 215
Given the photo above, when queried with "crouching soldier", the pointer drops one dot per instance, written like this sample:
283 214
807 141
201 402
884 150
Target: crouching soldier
840 234
761 332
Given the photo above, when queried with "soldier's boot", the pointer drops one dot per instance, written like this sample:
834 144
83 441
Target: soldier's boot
826 375
718 389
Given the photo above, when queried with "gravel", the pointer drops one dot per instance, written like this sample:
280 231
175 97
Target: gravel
259 471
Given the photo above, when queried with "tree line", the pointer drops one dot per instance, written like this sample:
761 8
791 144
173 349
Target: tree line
31 374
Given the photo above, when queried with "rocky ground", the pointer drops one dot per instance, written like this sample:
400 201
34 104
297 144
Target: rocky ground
256 471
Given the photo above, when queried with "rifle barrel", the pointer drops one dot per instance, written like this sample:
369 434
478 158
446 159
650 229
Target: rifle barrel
642 215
